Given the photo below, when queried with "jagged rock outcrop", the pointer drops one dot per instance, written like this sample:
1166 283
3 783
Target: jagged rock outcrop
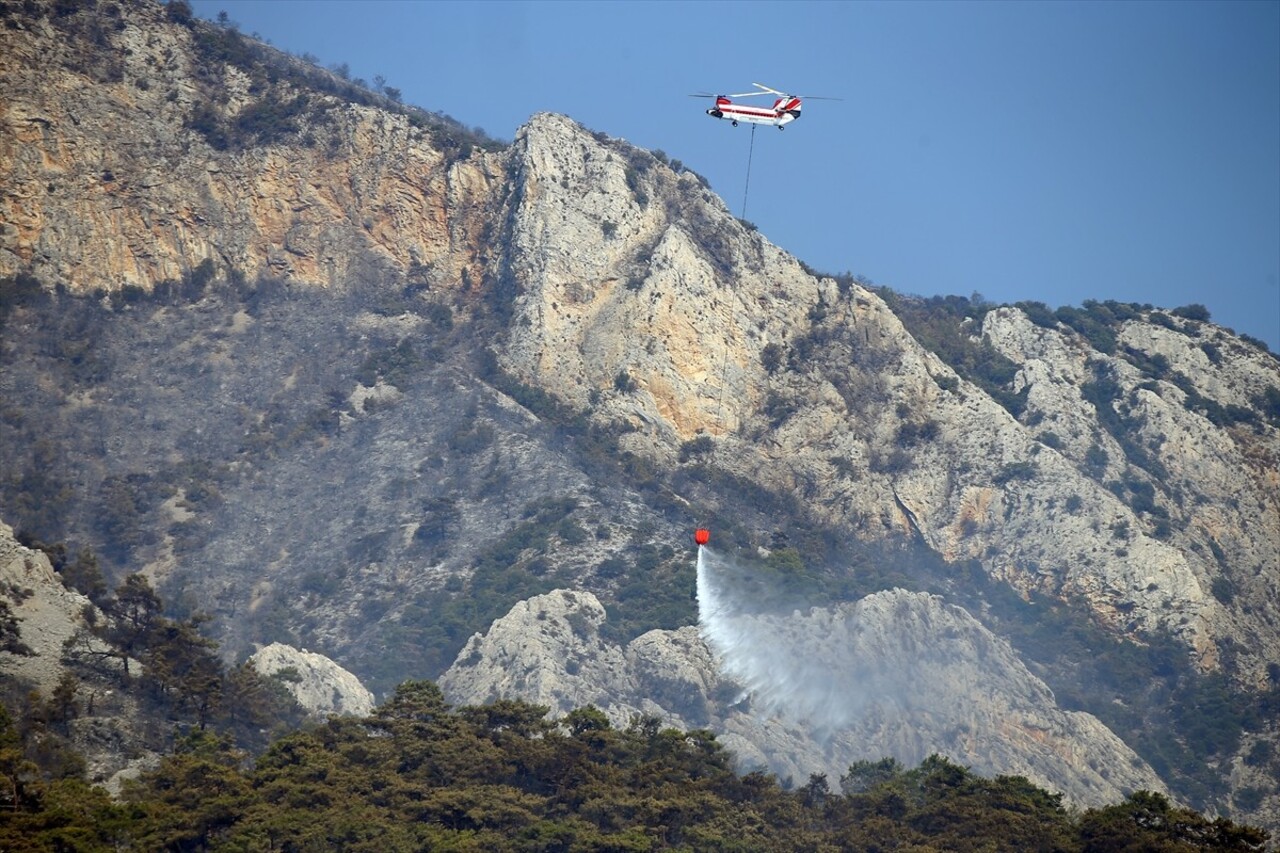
897 673
832 421
1178 417
319 684
47 613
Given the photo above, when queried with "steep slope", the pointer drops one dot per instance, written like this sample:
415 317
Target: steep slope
856 415
1185 418
47 615
348 379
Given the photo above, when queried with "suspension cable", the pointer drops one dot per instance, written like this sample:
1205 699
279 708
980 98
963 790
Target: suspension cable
750 153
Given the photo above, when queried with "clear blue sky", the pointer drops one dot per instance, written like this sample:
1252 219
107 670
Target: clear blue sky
1052 151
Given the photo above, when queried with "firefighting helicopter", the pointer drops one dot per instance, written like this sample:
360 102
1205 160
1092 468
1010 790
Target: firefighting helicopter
785 109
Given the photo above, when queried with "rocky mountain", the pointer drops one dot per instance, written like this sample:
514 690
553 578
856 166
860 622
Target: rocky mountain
319 684
345 376
48 615
815 692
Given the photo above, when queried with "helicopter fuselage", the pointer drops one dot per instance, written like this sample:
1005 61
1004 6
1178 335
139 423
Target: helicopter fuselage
784 111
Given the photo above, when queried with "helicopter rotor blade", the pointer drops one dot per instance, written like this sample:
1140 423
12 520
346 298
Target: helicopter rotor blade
764 90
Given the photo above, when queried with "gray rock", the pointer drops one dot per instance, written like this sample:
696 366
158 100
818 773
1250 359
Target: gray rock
320 685
897 673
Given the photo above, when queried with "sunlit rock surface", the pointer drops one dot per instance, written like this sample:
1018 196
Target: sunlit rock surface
898 673
319 684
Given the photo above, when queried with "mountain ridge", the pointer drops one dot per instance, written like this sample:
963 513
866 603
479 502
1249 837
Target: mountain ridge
539 366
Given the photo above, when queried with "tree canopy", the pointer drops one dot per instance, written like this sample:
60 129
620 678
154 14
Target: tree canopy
420 775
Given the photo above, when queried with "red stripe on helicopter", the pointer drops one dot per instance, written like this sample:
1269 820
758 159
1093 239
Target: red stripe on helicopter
747 111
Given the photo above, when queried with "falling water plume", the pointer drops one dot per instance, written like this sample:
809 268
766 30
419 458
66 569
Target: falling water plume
782 660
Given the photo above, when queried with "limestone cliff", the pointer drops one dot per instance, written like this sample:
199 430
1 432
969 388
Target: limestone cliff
47 613
688 322
317 683
109 181
898 671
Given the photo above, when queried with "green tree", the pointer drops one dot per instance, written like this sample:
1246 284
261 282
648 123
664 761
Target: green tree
63 704
11 633
132 614
183 668
194 796
1147 821
84 574
255 707
19 777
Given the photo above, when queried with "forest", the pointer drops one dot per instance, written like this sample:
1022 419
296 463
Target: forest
419 775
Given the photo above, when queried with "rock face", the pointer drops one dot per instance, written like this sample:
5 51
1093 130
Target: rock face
876 431
367 196
319 684
1176 417
47 613
453 320
810 692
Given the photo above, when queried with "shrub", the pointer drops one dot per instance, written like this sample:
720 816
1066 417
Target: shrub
1039 313
179 11
895 461
1223 589
695 448
270 119
624 382
1257 342
771 357
1096 459
1269 402
1194 311
205 121
288 674
1050 439
910 434
1025 470
1248 799
1260 754
1095 330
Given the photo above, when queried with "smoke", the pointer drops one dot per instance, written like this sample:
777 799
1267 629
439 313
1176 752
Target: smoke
791 664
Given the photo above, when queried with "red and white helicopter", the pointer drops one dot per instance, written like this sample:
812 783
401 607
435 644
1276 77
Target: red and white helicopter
785 109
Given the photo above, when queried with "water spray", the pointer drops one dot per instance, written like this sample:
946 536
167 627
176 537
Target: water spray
782 660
